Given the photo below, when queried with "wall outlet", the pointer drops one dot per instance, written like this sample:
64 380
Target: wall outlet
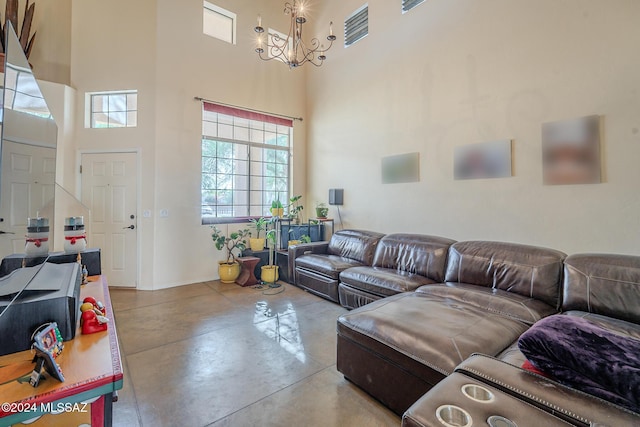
164 213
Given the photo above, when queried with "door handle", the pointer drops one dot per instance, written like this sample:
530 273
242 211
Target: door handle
6 232
131 227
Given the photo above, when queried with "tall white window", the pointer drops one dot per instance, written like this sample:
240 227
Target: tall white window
356 26
112 109
245 163
219 23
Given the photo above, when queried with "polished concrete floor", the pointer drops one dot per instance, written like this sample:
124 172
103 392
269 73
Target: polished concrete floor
213 354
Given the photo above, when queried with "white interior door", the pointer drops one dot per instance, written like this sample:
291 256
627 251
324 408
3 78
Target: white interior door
110 190
28 176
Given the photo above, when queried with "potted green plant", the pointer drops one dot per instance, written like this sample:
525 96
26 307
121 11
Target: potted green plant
277 209
269 273
229 270
305 239
322 210
295 208
257 243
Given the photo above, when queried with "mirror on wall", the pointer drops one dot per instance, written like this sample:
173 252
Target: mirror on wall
27 170
27 151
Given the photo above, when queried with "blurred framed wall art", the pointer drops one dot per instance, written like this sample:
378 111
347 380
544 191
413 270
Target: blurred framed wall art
571 151
483 160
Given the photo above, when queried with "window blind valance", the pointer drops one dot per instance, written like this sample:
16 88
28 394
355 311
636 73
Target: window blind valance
246 114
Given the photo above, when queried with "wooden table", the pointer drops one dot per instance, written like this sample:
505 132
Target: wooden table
90 364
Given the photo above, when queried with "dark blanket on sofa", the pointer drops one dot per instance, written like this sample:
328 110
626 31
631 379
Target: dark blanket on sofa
586 357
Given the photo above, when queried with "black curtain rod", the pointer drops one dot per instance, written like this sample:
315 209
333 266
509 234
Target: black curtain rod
197 98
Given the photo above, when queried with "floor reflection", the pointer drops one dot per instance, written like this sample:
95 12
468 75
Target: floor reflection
282 327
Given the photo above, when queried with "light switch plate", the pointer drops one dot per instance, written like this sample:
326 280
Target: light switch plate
164 213
146 213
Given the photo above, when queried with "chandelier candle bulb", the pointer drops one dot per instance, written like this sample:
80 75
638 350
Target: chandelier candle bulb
259 21
331 28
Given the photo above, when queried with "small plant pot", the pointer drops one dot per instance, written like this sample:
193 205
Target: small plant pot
256 244
294 242
269 273
322 212
229 272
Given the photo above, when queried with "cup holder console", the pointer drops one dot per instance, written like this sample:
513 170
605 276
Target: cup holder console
454 416
478 393
498 421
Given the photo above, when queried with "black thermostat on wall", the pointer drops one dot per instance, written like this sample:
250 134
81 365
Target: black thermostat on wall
336 196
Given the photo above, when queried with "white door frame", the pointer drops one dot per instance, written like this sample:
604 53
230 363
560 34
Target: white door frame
138 153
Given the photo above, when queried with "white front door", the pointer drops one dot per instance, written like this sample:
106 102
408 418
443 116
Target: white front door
110 190
28 176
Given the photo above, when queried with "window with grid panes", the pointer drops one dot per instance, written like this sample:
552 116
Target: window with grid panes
245 163
113 109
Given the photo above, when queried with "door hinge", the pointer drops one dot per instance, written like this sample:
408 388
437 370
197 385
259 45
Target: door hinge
80 168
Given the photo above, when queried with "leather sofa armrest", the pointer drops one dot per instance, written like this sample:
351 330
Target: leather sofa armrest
302 249
307 248
544 393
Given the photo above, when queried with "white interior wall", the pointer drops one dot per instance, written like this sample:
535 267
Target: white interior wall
466 71
114 48
191 64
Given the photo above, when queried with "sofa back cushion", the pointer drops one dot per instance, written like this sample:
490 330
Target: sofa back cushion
526 270
414 253
608 285
359 245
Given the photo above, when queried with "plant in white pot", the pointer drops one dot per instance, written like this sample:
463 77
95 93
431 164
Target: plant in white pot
229 270
269 273
260 225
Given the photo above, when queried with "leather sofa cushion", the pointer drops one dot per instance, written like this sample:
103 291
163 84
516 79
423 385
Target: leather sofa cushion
328 265
359 245
603 284
526 270
512 355
414 253
524 309
382 281
437 331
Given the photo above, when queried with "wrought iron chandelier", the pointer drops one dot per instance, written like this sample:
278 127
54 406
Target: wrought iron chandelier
292 50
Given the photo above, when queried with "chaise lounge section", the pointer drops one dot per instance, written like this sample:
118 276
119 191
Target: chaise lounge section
399 347
601 293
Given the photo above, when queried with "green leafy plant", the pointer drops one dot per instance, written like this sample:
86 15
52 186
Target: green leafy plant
235 240
259 225
305 239
295 208
276 204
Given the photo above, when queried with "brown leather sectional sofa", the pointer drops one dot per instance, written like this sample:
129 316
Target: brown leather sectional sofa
424 326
